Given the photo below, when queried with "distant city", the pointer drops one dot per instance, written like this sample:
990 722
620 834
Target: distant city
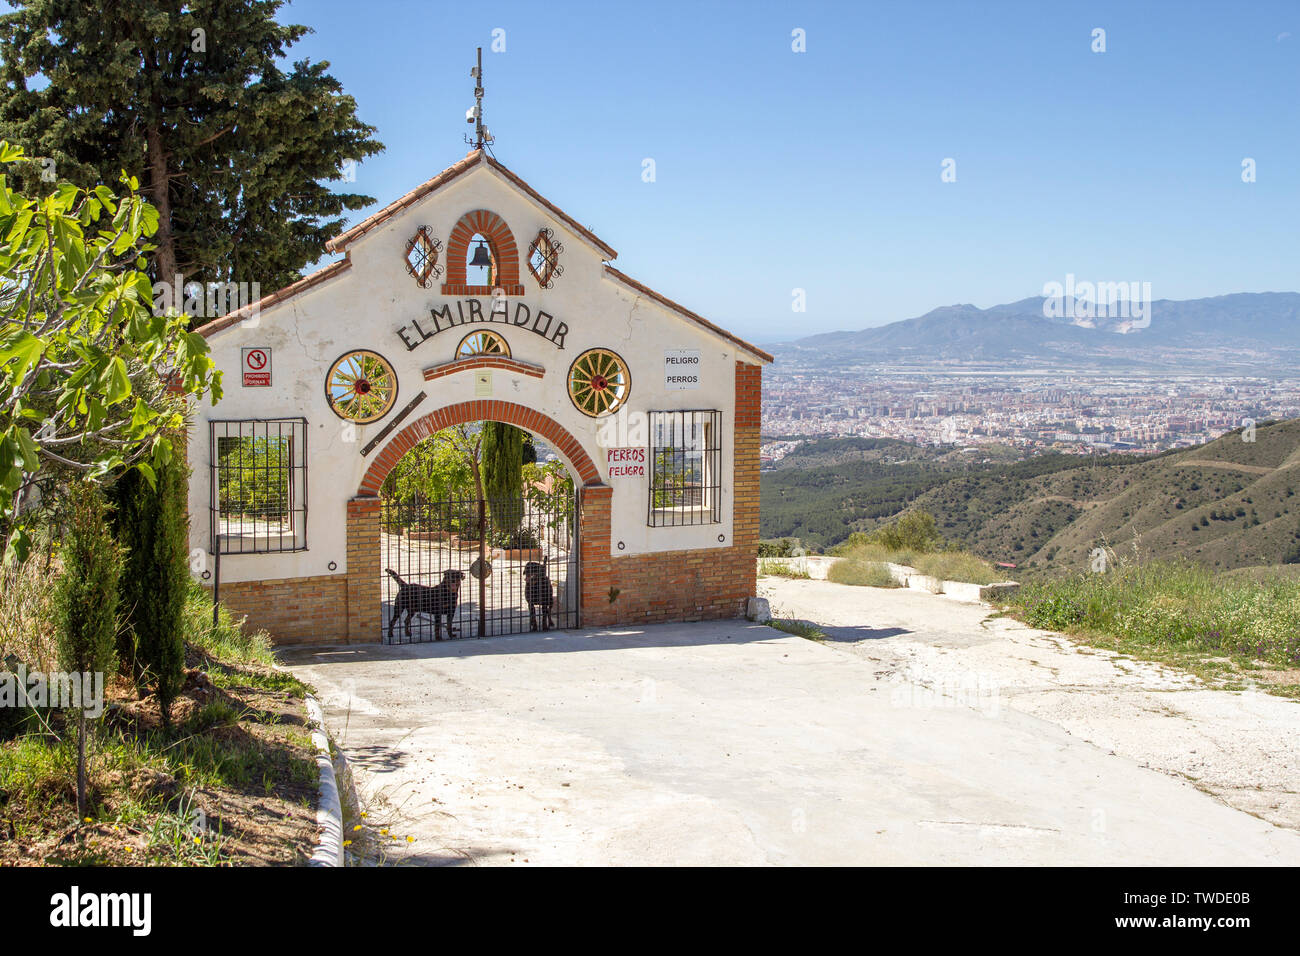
1077 412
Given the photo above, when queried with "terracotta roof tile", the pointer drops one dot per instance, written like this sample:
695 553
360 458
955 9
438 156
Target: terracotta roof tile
342 240
475 156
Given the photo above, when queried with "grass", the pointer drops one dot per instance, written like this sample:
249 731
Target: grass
782 568
804 629
234 654
1226 628
871 551
1268 572
232 780
958 566
863 565
27 614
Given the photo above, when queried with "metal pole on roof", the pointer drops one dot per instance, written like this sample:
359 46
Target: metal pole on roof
477 73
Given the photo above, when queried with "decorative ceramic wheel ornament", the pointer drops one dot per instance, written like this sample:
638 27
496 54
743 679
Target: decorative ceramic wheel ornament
361 387
599 382
482 343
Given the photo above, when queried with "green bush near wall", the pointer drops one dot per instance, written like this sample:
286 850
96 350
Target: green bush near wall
151 524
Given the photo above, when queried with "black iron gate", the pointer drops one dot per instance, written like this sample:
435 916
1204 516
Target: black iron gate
475 568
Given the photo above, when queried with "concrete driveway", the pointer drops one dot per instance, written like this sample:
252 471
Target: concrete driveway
732 743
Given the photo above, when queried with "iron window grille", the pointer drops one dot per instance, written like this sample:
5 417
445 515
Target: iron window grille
258 485
686 468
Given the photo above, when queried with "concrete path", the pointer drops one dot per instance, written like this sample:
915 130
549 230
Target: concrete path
731 743
1241 746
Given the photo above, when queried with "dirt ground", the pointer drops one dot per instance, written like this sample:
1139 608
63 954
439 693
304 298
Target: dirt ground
148 808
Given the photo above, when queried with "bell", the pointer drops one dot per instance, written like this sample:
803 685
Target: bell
481 255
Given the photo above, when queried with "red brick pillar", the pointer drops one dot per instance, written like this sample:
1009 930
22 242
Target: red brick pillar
593 551
362 610
749 409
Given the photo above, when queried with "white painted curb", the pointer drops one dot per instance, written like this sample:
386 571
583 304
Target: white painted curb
329 810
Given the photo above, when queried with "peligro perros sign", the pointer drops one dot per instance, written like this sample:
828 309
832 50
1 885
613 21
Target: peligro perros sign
681 368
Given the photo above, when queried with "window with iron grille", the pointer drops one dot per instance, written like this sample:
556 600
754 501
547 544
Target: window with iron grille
258 485
686 467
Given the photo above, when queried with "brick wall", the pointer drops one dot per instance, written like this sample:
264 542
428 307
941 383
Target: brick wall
294 610
363 595
671 586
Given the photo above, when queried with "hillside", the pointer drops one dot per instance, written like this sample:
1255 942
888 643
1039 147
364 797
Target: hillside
1226 504
832 488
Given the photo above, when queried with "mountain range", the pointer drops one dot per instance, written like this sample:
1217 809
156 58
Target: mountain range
1238 332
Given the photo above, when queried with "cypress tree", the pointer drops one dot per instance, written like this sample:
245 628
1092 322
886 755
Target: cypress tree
503 473
86 602
190 98
152 526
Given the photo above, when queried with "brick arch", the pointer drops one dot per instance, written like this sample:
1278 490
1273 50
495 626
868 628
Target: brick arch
504 252
548 428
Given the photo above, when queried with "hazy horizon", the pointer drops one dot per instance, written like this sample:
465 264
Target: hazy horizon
993 305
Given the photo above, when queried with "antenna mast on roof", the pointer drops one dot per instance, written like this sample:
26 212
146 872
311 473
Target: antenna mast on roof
482 137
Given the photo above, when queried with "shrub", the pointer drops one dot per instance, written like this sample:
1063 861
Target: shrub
914 530
861 573
524 539
151 525
777 549
86 594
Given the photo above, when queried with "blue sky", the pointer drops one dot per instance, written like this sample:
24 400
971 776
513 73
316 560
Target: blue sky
821 170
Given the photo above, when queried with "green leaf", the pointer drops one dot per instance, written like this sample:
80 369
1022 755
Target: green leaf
23 347
119 383
18 546
141 416
148 473
66 195
162 451
105 195
27 447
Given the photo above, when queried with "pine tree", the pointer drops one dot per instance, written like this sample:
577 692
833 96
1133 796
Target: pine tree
188 97
151 524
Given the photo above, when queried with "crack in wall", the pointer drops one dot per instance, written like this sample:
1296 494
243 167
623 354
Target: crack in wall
636 302
297 333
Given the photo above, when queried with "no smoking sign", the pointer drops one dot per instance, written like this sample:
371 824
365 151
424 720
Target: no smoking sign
256 367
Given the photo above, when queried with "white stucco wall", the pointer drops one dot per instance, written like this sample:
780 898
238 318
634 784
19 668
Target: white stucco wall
365 305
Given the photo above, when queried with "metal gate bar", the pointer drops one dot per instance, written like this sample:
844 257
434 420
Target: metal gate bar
527 547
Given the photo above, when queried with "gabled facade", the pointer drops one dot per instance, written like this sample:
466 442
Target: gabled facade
329 381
